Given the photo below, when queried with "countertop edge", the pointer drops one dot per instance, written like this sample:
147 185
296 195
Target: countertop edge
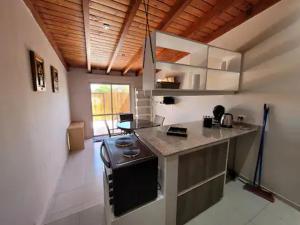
255 128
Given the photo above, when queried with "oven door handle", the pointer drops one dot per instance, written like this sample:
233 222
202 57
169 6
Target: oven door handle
106 163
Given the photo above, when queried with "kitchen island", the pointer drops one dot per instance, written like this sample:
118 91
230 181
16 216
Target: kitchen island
193 168
192 173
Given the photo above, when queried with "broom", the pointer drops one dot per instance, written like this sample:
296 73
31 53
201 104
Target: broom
255 187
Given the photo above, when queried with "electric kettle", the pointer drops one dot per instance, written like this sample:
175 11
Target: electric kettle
227 120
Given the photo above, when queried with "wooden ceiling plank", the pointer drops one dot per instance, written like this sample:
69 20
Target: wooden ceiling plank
65 4
101 17
62 20
86 20
212 14
113 4
176 10
134 5
202 5
110 10
194 11
59 14
39 20
66 33
54 7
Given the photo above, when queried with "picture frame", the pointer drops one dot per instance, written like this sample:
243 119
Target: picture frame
54 79
38 72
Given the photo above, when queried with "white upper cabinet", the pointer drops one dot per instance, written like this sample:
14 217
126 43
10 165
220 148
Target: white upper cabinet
178 66
225 60
196 53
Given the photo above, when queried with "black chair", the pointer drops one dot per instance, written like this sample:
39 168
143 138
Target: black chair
126 117
107 127
159 120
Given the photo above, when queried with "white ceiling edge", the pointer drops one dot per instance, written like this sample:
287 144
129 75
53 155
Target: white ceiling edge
250 31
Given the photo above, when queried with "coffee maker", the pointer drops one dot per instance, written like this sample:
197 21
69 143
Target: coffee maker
218 112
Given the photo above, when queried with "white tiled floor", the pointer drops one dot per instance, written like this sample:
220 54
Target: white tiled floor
240 207
80 185
79 199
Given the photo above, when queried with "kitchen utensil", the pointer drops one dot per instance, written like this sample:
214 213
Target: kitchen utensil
218 112
207 122
177 131
227 120
256 187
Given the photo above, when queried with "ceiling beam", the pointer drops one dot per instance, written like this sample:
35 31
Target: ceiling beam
175 11
252 11
86 20
42 25
133 8
133 60
212 14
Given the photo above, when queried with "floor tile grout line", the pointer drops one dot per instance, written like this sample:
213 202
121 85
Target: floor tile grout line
77 205
255 216
73 189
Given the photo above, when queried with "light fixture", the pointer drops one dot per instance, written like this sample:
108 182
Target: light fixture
106 26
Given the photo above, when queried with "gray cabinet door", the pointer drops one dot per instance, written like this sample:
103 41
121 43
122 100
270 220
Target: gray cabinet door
201 165
199 199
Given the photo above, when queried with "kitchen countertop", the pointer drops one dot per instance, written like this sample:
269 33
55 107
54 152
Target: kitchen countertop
198 136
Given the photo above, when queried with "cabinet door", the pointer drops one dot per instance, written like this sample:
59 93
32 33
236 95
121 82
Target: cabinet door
201 165
199 199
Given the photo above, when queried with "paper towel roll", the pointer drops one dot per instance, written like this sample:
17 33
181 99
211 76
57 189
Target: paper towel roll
196 81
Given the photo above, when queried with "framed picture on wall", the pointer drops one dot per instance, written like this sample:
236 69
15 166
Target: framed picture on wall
38 72
54 79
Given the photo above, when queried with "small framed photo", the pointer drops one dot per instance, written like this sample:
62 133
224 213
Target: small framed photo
38 72
54 79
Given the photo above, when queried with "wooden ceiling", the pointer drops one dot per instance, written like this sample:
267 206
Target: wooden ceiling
75 28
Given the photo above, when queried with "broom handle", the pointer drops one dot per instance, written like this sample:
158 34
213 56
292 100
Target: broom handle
259 158
262 144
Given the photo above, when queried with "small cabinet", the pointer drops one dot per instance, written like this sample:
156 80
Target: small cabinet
76 136
201 177
199 199
198 166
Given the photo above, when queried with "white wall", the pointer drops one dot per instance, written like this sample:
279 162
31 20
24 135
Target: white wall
271 76
33 125
80 96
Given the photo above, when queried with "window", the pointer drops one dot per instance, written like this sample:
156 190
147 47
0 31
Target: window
108 102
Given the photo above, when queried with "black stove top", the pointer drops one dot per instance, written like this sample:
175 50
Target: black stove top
126 150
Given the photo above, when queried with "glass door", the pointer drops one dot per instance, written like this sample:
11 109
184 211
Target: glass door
108 102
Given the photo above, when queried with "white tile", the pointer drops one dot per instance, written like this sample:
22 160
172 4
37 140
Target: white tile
80 185
70 211
221 213
79 199
285 212
245 203
92 216
266 218
233 186
250 223
70 220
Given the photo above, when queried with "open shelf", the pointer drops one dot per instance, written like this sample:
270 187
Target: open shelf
199 69
196 52
222 80
185 92
224 60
